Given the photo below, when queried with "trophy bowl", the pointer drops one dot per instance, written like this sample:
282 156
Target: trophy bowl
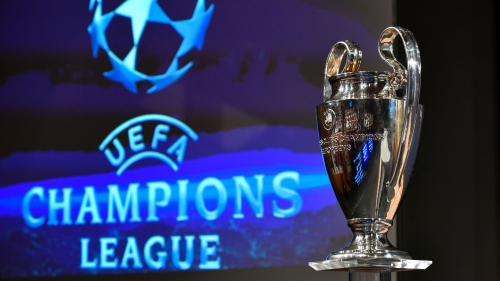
369 127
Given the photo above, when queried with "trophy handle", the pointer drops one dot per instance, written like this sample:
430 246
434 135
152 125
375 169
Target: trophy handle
410 76
409 79
334 59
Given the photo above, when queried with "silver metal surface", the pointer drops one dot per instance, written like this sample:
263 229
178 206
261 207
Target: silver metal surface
369 128
370 265
334 60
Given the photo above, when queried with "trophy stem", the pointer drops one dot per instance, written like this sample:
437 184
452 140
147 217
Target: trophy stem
355 275
369 241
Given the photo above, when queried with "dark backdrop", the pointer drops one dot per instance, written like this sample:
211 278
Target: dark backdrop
450 214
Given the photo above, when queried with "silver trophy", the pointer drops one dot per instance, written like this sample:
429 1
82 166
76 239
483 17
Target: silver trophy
369 127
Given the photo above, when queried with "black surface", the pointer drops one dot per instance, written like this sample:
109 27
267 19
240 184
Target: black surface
450 213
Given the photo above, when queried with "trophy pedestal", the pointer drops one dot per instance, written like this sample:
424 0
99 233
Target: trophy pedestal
363 264
370 269
369 276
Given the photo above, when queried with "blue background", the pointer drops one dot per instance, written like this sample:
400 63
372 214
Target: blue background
250 97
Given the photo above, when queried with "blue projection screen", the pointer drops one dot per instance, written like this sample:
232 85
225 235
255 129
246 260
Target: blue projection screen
156 136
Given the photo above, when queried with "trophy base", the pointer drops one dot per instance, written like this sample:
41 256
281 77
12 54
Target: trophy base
388 254
370 264
369 241
370 250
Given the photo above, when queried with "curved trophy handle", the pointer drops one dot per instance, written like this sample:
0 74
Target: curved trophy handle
334 59
410 79
412 76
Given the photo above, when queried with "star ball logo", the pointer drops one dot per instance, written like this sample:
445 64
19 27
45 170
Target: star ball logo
140 12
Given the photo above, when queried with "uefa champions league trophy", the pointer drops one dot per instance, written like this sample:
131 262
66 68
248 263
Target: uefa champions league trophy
369 127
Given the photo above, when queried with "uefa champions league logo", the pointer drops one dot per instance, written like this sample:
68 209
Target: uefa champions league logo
163 146
141 12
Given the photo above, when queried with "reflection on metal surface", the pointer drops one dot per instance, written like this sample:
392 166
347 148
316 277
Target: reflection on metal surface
371 265
353 62
369 127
